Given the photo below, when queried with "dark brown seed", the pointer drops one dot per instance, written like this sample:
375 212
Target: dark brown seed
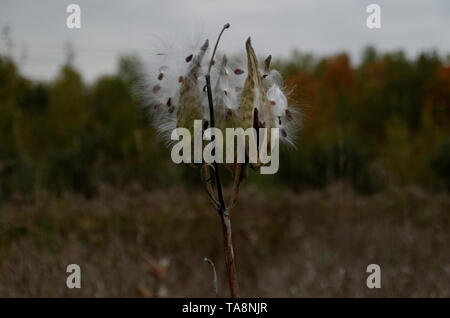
160 76
283 133
189 58
289 115
229 113
279 120
265 75
213 62
272 102
205 125
238 71
171 109
156 106
225 92
156 89
169 102
180 79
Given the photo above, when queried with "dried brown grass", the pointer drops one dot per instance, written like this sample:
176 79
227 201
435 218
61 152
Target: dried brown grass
135 243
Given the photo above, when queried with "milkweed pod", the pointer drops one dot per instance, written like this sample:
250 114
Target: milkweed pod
190 101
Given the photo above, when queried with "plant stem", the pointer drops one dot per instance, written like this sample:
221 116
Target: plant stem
222 209
215 285
229 255
223 213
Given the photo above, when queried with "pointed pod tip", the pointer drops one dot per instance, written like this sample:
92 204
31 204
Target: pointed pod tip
251 53
205 45
267 64
248 44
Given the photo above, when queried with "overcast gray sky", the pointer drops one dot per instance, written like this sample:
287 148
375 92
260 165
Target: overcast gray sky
110 28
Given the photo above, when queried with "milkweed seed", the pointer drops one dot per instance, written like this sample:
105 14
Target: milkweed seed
156 89
289 115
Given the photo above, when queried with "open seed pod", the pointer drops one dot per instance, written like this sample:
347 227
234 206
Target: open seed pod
242 99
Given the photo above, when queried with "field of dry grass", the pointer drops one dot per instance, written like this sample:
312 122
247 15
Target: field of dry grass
137 243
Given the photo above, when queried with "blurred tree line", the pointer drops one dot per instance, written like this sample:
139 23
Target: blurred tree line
383 123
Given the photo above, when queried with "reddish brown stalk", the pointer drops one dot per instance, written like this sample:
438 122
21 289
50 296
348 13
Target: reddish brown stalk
229 255
237 182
